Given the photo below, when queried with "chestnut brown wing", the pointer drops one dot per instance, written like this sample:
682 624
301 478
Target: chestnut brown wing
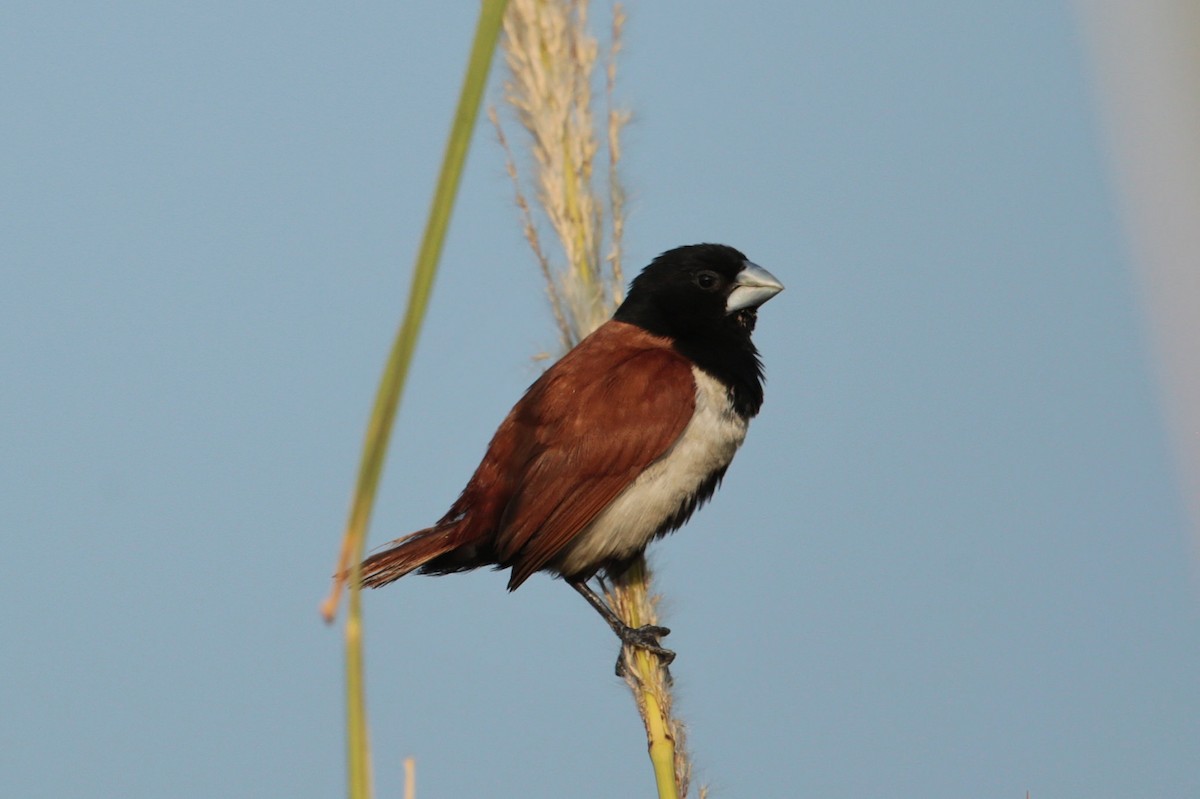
592 424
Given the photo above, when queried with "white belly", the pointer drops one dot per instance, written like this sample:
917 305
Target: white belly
628 523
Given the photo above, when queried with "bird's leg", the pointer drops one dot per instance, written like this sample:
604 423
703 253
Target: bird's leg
644 637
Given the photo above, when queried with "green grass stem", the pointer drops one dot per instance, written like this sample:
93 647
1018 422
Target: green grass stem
391 386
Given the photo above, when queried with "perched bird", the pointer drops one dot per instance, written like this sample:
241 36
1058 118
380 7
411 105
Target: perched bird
615 444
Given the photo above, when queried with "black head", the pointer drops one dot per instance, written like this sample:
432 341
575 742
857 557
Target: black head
705 298
700 291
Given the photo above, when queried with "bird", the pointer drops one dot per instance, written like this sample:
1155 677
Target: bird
616 444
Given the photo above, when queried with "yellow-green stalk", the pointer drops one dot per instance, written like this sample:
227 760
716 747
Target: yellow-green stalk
551 59
391 386
647 678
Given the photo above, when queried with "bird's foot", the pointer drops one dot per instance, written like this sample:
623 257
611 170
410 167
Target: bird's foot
644 637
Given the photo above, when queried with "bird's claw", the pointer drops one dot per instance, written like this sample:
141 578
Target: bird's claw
644 637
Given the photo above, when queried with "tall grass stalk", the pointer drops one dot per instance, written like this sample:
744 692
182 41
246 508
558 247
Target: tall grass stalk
552 64
391 386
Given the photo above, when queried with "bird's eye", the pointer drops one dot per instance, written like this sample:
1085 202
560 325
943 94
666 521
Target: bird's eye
708 280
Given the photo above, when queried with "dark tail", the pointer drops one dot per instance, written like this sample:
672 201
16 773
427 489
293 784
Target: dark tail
408 554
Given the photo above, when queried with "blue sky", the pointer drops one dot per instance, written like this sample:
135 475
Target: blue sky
950 560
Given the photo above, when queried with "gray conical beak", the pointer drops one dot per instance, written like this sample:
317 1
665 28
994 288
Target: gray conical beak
751 288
